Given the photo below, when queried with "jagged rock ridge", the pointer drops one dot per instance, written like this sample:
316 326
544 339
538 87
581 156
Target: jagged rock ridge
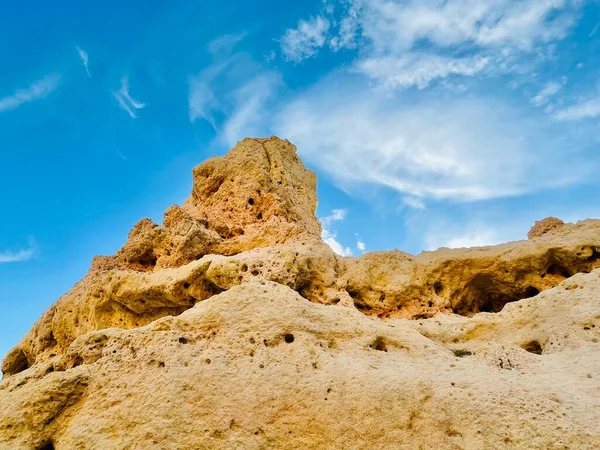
198 333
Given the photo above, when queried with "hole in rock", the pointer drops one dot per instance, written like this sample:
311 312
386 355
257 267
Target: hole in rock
183 340
186 285
78 362
18 364
251 201
362 306
148 260
557 269
46 446
259 216
289 338
438 287
484 294
532 347
379 344
531 292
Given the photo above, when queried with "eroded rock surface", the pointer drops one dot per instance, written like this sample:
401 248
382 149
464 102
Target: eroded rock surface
544 226
232 325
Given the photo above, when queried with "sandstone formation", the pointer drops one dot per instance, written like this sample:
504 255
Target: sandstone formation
542 227
232 325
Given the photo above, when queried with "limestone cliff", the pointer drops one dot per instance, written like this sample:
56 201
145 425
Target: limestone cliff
232 325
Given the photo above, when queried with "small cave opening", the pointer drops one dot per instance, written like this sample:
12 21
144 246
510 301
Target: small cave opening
359 302
251 201
559 270
15 362
484 294
48 445
288 338
146 261
78 361
438 287
531 292
533 347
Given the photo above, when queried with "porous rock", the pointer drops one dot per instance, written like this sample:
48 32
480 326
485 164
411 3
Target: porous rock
232 325
544 226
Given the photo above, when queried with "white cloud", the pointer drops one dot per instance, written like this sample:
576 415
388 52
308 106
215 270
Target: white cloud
126 102
249 107
586 109
235 89
336 215
413 42
360 245
226 43
329 236
401 24
270 56
463 149
84 59
19 255
305 40
202 102
39 89
440 143
550 89
414 202
472 238
418 69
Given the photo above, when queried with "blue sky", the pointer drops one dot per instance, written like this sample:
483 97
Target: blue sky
430 123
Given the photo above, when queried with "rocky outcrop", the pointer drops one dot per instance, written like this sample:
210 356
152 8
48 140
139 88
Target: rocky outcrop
542 227
232 325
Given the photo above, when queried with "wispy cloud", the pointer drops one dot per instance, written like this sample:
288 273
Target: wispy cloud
84 59
19 255
39 89
248 106
463 149
305 40
361 246
455 139
587 108
412 42
550 89
418 70
233 91
329 236
471 238
224 45
126 102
